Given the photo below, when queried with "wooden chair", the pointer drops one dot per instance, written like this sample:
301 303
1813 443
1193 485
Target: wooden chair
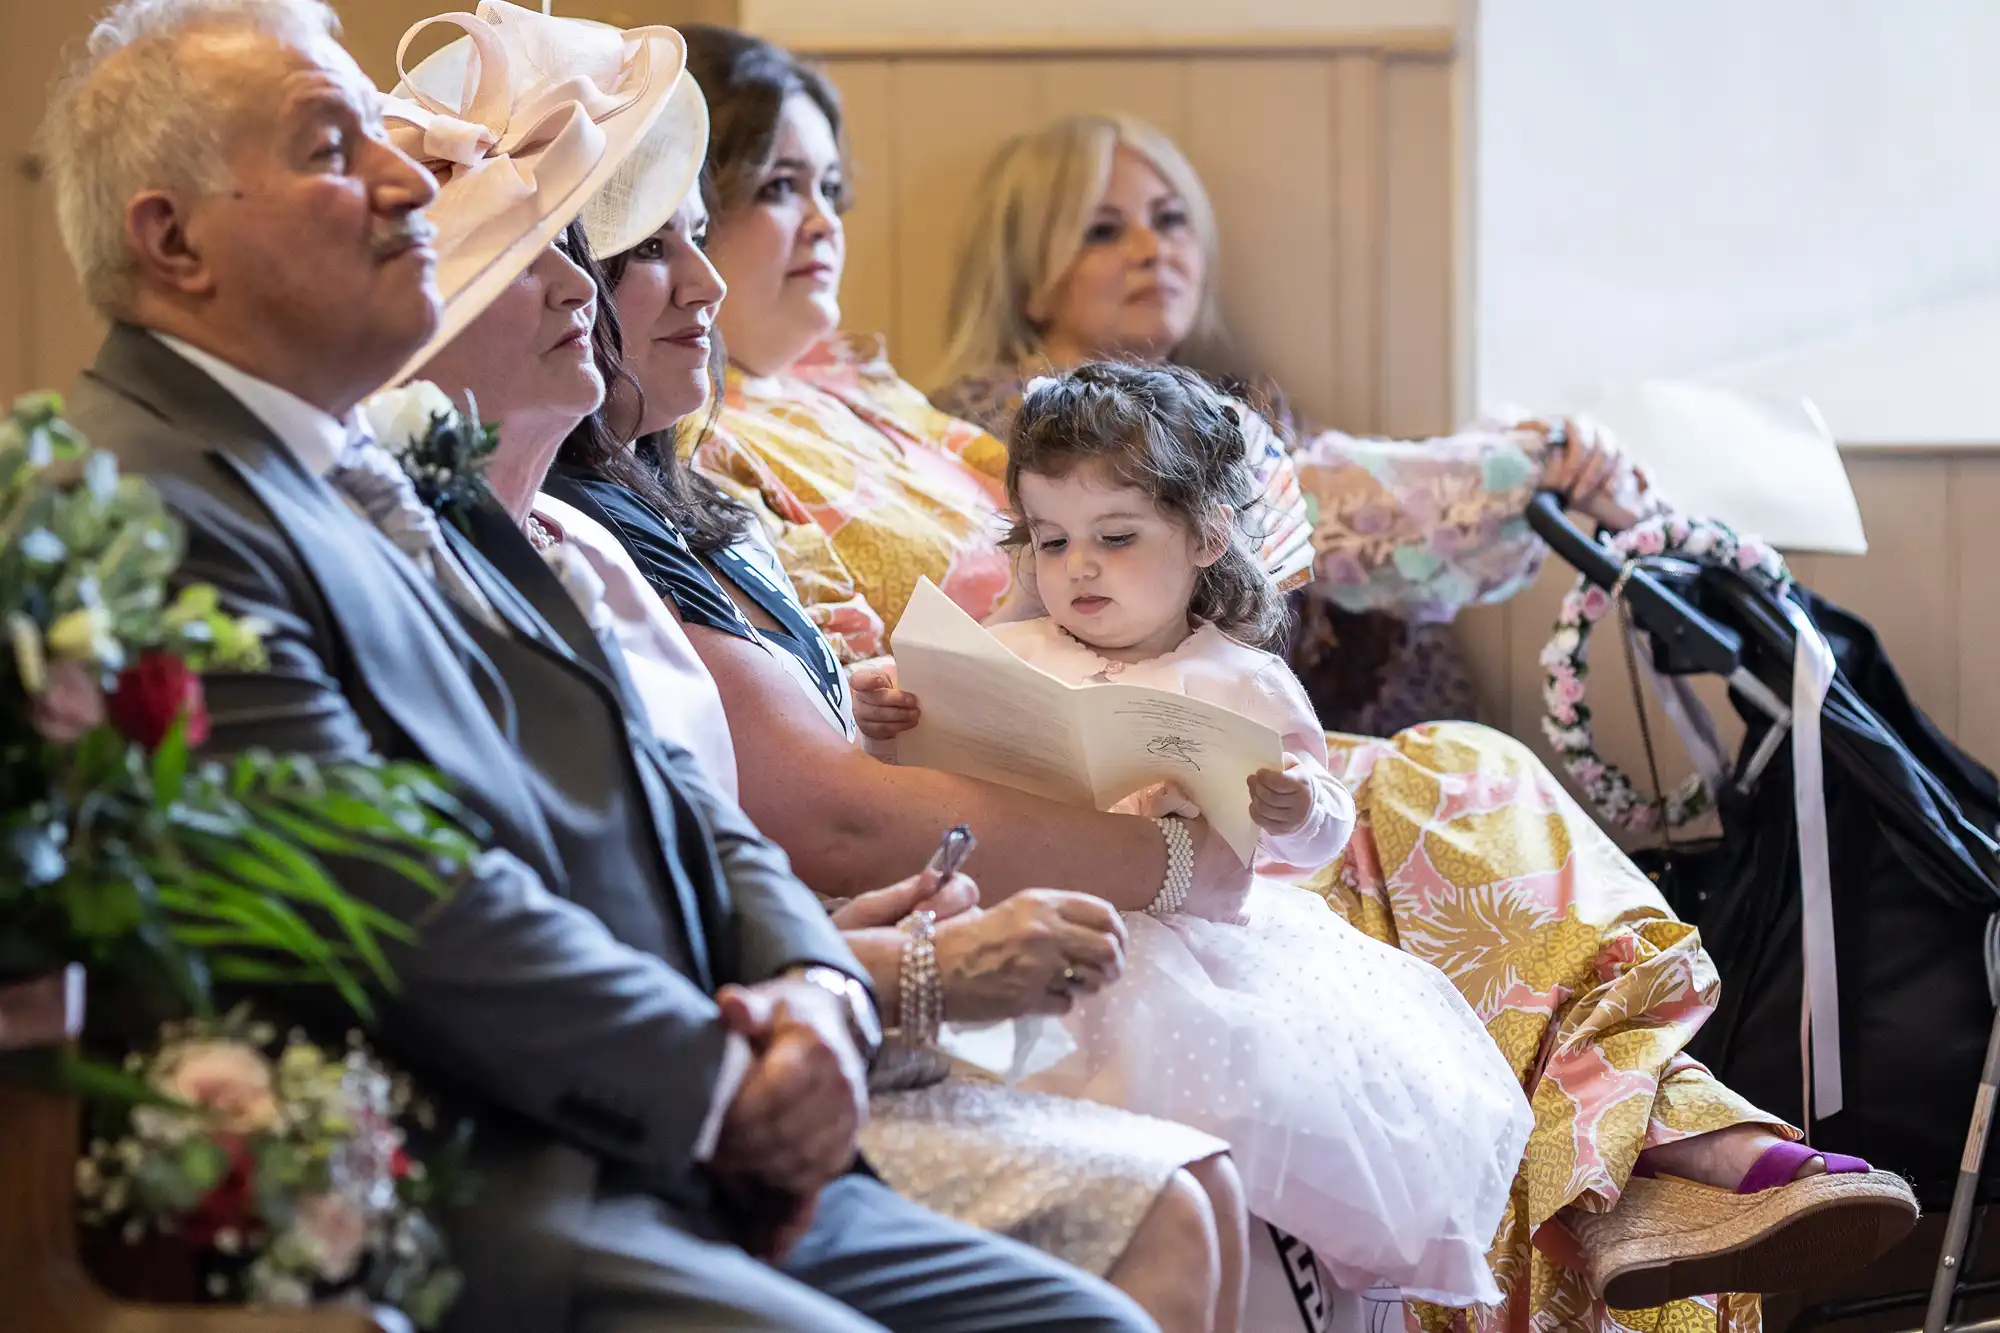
43 1285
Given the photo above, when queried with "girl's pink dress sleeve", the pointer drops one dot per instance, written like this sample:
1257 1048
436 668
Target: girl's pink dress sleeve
1274 697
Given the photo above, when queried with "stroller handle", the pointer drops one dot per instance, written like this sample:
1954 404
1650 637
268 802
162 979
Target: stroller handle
1688 634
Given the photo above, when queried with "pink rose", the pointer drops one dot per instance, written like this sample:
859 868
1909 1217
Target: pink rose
333 1230
72 703
1563 714
1588 772
1751 554
1644 818
1568 690
1596 602
1648 541
229 1080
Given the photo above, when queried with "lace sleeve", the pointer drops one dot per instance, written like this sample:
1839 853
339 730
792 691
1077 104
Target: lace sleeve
1421 528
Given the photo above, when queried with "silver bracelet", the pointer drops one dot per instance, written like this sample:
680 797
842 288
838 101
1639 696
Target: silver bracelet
919 989
1180 867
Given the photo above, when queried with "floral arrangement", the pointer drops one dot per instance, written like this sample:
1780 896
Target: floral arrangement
445 451
120 845
123 846
1566 723
283 1168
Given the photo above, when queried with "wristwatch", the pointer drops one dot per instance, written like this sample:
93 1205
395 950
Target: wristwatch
863 1023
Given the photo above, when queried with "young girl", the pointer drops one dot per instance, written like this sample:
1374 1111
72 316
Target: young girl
1368 1111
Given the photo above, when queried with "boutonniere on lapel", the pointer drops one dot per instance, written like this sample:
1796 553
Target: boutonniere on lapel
444 450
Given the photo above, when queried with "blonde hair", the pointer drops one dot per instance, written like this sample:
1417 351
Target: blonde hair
133 115
1028 217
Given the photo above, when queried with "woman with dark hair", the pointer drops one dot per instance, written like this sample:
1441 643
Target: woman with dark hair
863 486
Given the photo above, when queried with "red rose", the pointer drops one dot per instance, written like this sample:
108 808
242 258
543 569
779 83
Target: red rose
151 693
229 1206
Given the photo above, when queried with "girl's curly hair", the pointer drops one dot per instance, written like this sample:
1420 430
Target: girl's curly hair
1162 430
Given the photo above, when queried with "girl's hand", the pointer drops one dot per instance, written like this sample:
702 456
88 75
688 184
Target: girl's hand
1279 802
880 709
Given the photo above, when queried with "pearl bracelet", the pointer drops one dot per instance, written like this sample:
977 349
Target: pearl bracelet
920 990
1180 867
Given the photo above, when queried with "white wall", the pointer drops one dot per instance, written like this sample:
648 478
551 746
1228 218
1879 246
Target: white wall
1124 18
1810 188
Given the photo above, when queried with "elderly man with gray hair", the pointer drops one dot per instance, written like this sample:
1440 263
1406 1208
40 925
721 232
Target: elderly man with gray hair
660 1033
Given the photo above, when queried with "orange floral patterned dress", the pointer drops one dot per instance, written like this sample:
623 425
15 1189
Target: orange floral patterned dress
864 488
1468 853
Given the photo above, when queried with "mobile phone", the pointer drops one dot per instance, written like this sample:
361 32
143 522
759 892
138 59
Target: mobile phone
953 849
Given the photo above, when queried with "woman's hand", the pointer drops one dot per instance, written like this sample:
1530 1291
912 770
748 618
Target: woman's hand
886 907
1033 954
1280 802
880 709
1585 471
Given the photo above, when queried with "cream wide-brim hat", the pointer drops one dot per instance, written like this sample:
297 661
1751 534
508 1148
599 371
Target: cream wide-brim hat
654 179
523 120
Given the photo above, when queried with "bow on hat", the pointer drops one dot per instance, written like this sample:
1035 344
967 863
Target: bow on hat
506 154
521 120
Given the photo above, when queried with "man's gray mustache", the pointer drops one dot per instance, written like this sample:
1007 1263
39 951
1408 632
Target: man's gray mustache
414 232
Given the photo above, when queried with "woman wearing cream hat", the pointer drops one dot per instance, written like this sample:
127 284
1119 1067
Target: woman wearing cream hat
523 119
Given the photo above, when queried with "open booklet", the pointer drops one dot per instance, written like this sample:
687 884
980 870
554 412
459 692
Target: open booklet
988 714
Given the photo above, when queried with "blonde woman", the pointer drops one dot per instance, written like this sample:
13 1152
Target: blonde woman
1093 239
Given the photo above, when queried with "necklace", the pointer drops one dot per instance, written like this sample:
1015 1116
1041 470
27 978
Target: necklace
541 534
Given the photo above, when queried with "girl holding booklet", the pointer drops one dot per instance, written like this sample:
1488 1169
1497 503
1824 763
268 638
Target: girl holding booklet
1369 1113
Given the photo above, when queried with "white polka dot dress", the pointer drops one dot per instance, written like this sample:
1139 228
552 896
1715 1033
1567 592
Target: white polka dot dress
1367 1109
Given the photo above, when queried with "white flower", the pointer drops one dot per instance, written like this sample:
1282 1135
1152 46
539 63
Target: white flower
331 1229
286 1293
160 1124
228 1079
399 418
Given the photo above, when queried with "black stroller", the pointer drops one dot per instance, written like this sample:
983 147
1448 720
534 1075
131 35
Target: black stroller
1915 875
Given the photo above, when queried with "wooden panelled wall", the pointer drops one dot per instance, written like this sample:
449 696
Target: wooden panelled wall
1331 162
1331 168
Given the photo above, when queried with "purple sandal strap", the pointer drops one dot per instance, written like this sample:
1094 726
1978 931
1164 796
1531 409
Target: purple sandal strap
1780 1164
